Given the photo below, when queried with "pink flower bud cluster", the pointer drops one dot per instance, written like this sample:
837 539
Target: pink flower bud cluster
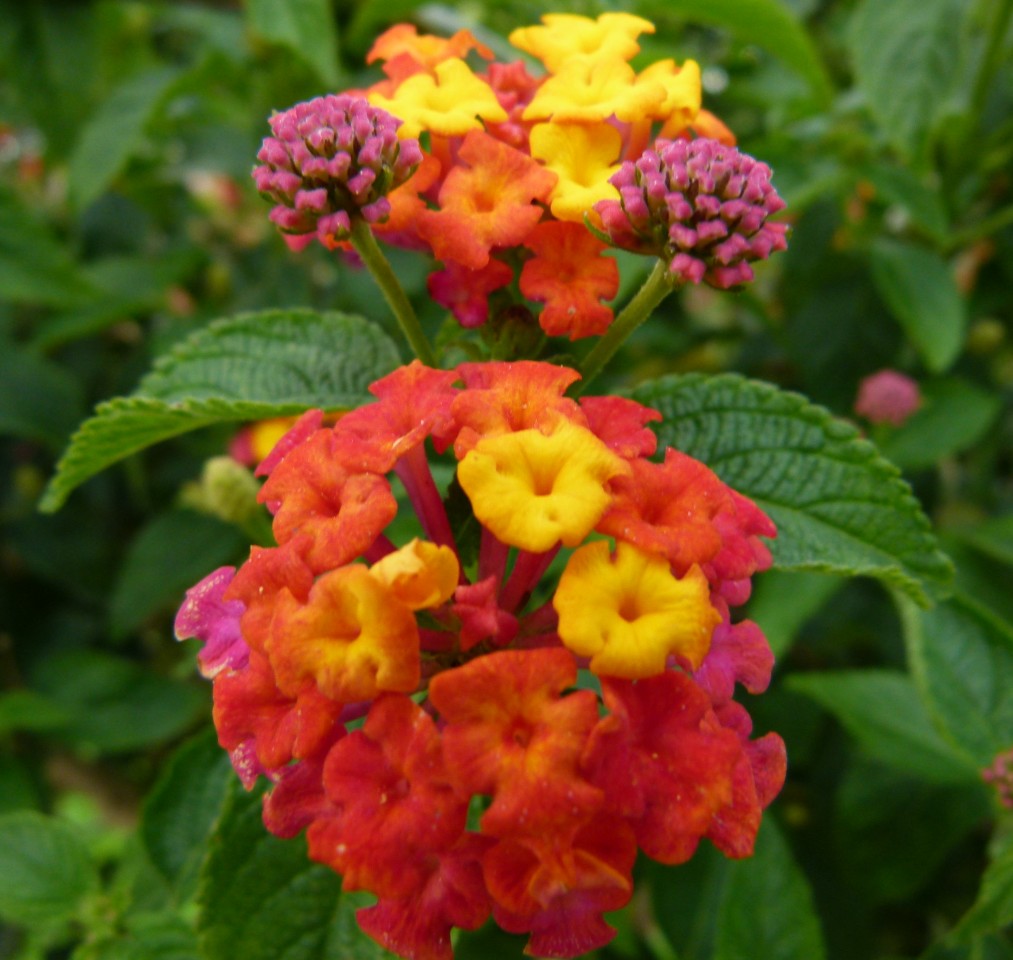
700 205
888 397
1000 775
331 159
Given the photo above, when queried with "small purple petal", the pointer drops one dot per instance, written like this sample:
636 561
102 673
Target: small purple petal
206 616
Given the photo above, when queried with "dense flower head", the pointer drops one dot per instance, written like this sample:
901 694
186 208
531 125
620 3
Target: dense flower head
523 733
888 396
699 205
514 152
331 159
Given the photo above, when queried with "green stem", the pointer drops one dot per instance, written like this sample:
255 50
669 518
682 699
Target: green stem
992 59
379 266
656 287
983 228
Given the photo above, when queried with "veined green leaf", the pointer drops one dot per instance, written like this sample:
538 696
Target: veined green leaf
182 808
305 27
962 660
767 907
839 506
993 910
262 898
918 287
111 136
881 709
47 871
249 367
905 61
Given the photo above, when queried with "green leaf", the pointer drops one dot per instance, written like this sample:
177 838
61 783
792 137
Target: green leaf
953 417
170 554
895 831
923 205
47 871
839 506
28 710
113 134
248 367
962 660
147 936
767 907
918 286
40 400
305 27
782 601
34 266
994 538
182 809
261 898
993 909
881 709
905 63
116 705
768 23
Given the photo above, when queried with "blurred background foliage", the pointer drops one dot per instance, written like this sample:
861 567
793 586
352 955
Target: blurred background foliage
128 220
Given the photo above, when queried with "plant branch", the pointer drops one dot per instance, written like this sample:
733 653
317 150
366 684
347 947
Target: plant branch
379 267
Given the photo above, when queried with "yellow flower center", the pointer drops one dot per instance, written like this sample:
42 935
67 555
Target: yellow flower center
628 612
534 490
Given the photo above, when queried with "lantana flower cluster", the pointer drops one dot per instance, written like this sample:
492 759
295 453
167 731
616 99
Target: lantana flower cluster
507 176
493 655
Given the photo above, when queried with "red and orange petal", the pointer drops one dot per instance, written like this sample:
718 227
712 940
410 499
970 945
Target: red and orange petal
476 606
490 199
306 425
665 762
742 552
514 87
257 583
621 424
556 886
351 638
669 509
571 275
311 493
425 49
250 709
453 894
297 799
739 653
510 733
397 805
465 293
414 403
502 397
757 778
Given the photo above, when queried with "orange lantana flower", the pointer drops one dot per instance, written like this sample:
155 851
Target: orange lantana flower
489 200
571 275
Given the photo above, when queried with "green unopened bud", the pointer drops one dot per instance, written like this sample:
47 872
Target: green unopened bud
227 490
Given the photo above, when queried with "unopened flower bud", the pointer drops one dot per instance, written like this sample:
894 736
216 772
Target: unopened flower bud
699 205
330 160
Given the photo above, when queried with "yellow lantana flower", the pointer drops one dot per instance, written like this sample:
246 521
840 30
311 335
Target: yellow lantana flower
566 35
628 612
449 101
534 490
591 89
421 574
682 88
583 158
